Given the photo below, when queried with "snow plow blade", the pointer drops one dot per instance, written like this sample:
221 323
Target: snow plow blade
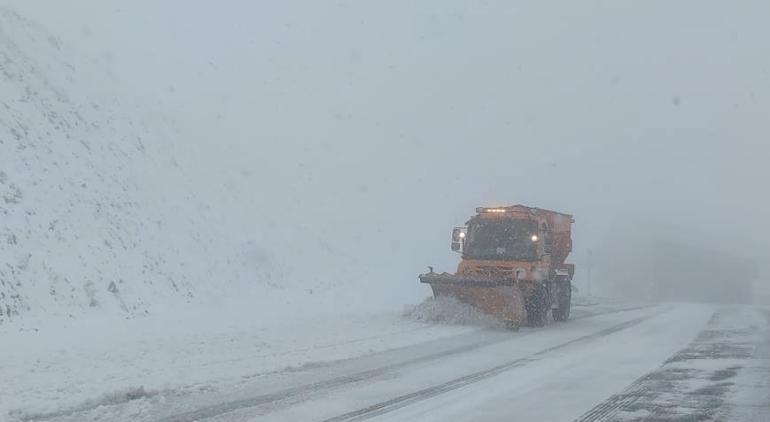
500 298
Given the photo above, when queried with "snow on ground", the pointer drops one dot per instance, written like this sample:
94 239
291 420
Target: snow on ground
448 310
89 193
79 363
720 375
551 373
65 365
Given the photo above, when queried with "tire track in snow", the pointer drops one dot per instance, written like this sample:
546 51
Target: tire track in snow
300 392
325 385
427 393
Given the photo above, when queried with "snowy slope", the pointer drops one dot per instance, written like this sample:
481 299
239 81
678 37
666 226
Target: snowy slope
74 206
104 209
95 210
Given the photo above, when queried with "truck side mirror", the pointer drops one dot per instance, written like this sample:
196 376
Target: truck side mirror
458 238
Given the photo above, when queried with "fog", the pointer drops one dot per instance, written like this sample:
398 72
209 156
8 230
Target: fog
377 126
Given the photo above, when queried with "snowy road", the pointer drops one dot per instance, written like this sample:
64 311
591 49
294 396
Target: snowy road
627 363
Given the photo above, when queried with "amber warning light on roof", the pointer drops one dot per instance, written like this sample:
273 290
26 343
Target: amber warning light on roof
493 210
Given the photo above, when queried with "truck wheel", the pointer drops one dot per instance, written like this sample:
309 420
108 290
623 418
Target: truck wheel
564 300
537 306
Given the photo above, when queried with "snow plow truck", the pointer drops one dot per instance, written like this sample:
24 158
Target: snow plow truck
513 265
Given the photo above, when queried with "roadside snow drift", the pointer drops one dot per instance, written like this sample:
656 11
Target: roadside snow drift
448 310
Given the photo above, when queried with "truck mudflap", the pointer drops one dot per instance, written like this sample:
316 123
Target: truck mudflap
499 297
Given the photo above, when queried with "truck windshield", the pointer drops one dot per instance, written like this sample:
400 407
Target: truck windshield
501 239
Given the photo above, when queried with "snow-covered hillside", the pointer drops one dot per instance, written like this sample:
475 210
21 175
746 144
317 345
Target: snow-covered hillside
95 212
106 207
79 227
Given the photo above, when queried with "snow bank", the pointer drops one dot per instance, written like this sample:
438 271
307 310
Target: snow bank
448 310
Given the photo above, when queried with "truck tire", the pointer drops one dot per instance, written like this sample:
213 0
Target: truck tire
538 305
563 300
